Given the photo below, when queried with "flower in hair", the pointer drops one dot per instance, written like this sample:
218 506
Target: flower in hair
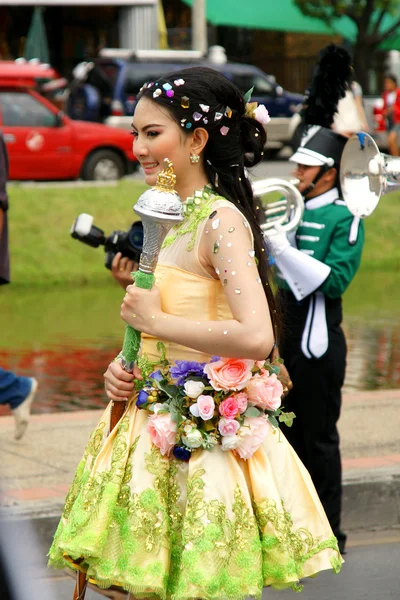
261 114
257 112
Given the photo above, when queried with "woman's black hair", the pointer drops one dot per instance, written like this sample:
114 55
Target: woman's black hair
202 97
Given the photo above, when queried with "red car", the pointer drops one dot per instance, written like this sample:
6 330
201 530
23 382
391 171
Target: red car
44 144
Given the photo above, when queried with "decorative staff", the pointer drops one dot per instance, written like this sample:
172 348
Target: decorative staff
159 208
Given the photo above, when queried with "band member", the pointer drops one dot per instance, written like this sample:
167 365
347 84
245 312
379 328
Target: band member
315 268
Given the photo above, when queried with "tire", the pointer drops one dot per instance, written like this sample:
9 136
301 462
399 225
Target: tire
103 165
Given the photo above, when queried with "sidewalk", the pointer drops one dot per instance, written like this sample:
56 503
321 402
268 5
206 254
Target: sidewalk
37 471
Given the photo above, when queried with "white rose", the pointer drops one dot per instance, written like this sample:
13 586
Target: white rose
193 389
230 442
261 114
194 439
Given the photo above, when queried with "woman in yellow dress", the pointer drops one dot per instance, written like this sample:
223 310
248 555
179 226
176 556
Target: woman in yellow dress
206 511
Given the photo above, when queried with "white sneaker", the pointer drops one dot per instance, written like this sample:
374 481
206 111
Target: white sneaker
22 412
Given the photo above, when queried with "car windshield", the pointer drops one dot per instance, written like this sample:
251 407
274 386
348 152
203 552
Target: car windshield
103 76
138 74
245 81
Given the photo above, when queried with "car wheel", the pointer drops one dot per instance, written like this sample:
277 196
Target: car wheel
103 165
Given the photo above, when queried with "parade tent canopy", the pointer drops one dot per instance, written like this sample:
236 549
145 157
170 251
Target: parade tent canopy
285 16
265 14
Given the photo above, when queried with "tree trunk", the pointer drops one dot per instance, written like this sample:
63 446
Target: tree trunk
363 61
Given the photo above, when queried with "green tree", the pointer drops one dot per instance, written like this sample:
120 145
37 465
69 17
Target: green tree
368 17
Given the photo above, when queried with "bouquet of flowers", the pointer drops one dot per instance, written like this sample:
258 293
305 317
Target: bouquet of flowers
229 401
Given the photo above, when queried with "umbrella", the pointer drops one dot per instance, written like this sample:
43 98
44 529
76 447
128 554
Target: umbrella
36 45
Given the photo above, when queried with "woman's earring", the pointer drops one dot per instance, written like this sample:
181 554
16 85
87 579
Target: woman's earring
194 158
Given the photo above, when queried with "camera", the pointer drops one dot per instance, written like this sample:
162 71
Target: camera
129 243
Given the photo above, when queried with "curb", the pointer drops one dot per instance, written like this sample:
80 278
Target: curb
371 500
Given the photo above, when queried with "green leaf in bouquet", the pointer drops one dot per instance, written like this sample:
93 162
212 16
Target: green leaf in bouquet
274 369
171 390
162 351
287 418
273 421
274 413
252 411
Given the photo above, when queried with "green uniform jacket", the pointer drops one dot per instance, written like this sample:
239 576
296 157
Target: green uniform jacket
331 234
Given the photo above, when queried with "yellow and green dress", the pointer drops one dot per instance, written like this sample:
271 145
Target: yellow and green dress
216 527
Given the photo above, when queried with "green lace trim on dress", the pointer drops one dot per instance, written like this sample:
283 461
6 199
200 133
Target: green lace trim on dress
196 209
144 543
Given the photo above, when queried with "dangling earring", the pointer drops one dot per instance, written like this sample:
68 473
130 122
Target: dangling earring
194 158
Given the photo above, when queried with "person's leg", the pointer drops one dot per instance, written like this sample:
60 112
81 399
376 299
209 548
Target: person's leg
13 388
392 143
18 392
316 401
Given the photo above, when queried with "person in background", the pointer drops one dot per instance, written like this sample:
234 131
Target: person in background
391 112
315 267
350 116
15 391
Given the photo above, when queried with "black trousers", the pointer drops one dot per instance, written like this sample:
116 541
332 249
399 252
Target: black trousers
316 401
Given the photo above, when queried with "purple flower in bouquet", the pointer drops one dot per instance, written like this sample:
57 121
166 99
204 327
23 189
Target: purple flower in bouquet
157 375
142 398
215 359
183 368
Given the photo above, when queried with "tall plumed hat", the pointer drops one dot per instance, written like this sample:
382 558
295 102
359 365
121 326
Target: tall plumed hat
317 144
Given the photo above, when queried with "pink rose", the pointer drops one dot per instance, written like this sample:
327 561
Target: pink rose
228 426
265 391
242 402
203 408
252 434
229 408
229 373
162 430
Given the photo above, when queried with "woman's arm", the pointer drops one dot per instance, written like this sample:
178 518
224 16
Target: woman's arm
226 249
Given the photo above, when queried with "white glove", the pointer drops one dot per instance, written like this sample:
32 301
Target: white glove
278 240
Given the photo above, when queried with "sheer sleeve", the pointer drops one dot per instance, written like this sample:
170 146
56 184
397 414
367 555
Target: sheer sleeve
227 250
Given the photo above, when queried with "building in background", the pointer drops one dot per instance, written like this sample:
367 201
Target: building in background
78 29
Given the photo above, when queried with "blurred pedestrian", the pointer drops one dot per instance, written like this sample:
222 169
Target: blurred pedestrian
16 391
350 116
391 112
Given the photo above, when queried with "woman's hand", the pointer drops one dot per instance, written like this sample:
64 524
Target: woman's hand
141 308
121 269
118 383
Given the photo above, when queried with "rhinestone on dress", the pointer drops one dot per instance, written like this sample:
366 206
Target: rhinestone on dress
231 229
238 291
215 224
216 247
229 244
252 253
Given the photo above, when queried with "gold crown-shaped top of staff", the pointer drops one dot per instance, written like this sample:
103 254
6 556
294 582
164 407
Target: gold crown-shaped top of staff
166 179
